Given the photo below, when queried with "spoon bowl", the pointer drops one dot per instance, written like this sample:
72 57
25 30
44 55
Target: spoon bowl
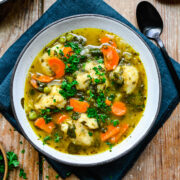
149 20
151 24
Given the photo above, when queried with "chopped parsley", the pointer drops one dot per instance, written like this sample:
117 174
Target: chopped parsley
22 174
46 139
23 151
57 176
111 97
98 69
74 46
45 111
57 138
110 146
100 81
47 118
12 160
68 108
91 95
73 61
101 100
100 61
90 133
49 52
115 122
102 117
89 77
61 52
68 89
92 113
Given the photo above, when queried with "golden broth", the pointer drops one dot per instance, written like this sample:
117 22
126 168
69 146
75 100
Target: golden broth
133 101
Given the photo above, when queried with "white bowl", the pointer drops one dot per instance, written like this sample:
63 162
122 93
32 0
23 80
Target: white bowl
51 32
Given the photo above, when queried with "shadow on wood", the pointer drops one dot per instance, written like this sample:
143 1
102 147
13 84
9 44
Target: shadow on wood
169 2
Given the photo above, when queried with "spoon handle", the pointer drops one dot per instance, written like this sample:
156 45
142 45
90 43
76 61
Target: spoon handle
169 64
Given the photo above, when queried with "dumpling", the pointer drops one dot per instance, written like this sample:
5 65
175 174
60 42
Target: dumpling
83 80
82 135
53 99
130 76
45 66
44 59
91 123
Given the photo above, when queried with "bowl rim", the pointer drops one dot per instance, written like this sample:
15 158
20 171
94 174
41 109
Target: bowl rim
13 103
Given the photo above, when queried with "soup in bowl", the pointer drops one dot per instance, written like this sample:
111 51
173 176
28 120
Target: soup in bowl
89 94
85 91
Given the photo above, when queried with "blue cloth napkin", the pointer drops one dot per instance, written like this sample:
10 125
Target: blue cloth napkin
63 8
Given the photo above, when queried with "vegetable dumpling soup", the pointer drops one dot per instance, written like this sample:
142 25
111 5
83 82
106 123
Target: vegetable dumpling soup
85 92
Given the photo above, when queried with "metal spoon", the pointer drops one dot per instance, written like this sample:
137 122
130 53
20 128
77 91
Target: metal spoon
151 24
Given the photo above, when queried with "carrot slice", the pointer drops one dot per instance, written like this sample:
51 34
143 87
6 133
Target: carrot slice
34 83
119 108
108 102
42 78
62 119
59 118
111 57
123 129
67 52
40 123
79 106
57 66
111 131
106 39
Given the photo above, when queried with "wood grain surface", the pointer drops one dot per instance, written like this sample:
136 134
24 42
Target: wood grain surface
161 158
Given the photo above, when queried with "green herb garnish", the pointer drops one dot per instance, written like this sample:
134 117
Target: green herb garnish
115 122
23 151
49 52
47 118
22 174
90 133
111 97
68 89
12 160
75 47
46 139
57 176
69 108
100 61
110 146
92 113
57 138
